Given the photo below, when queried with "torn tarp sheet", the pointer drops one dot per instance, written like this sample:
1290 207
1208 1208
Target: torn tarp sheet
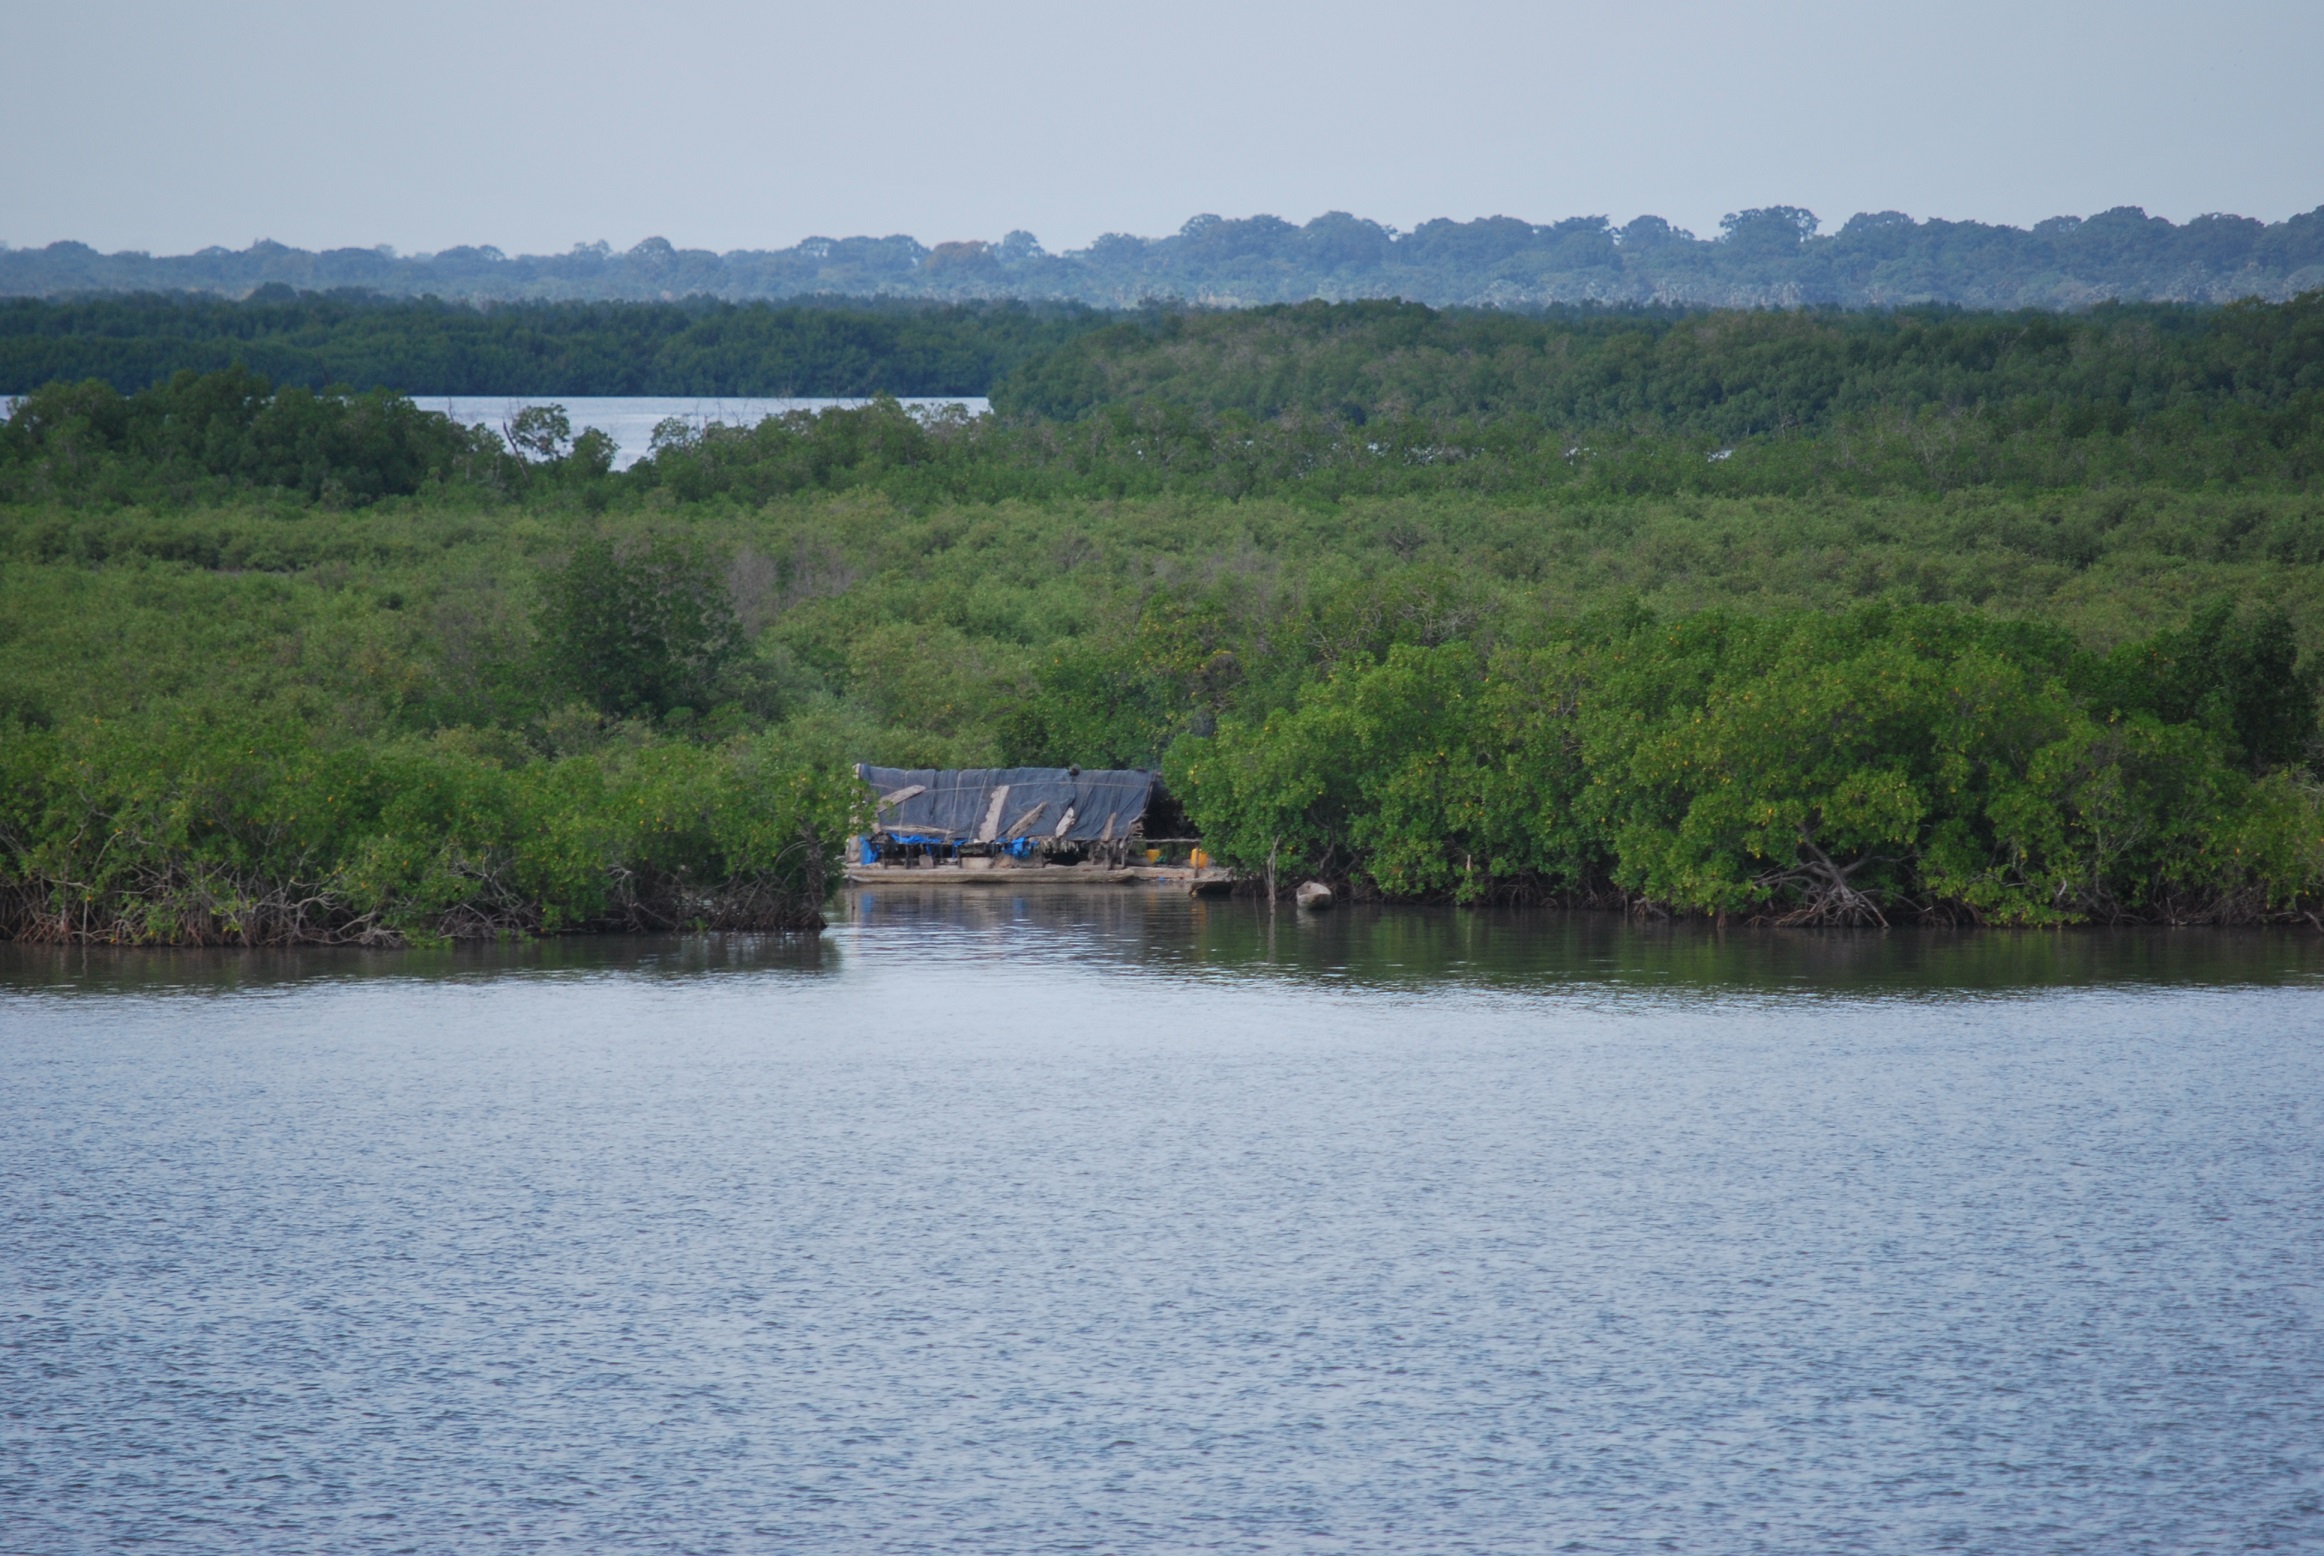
1003 804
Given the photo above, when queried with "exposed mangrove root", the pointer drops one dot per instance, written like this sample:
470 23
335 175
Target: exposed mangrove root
1826 889
215 910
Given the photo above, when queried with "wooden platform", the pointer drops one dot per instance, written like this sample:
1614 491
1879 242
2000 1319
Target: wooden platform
1016 876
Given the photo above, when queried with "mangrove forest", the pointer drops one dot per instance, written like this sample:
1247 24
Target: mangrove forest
1782 616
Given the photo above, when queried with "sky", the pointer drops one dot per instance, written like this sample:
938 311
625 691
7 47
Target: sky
423 124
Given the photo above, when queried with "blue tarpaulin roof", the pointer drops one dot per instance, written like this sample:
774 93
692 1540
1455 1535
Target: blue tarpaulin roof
1000 804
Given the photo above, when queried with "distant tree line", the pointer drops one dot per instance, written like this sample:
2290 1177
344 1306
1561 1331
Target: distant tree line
1733 373
426 346
1769 256
1729 373
208 439
1331 400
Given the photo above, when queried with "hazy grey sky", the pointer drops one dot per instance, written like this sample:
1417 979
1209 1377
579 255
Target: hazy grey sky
730 125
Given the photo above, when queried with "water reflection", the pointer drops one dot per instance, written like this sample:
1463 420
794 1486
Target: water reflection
1002 1219
183 970
1546 948
1154 933
1537 949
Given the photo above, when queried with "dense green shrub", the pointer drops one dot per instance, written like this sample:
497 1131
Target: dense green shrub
1725 375
207 434
642 629
278 665
1133 450
1324 402
1886 762
253 832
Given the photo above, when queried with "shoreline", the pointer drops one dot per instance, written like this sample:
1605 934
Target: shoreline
1205 882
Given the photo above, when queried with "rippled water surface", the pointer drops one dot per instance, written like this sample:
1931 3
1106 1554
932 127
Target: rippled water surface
1110 1222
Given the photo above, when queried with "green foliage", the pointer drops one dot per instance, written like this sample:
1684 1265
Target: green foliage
643 630
1775 255
1433 773
1462 656
2238 675
250 831
231 431
1326 402
1121 703
1886 762
541 432
1723 375
1154 450
425 346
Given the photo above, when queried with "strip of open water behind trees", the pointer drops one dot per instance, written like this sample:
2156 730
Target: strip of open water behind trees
1105 1220
630 420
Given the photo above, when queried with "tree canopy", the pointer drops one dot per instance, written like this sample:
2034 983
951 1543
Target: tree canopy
1774 256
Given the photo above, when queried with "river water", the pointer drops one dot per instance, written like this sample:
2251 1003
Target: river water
1105 1221
630 420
